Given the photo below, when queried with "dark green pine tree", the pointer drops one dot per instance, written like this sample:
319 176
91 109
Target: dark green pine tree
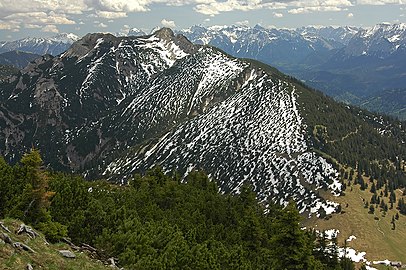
373 188
402 206
289 245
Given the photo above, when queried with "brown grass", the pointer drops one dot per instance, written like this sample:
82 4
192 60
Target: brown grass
375 237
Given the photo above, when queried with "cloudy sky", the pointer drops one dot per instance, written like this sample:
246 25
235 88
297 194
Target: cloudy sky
21 18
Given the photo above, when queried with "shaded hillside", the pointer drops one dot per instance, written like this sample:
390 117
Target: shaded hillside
17 59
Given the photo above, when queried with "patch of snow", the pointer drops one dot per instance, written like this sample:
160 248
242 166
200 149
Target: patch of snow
384 262
352 254
332 233
352 237
394 38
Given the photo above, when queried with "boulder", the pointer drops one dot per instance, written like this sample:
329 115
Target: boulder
67 254
4 227
22 246
28 230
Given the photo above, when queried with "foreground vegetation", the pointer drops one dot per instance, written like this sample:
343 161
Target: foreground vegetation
157 222
46 256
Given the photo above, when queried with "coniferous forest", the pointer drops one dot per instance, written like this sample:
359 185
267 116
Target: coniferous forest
158 221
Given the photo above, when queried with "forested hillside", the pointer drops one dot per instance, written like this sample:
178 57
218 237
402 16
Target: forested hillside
157 222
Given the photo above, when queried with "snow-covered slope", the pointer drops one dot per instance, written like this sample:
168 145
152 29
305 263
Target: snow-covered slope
122 105
271 44
52 45
114 106
255 135
381 40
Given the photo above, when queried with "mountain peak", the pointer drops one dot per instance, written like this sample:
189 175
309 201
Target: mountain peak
165 33
89 42
65 38
136 32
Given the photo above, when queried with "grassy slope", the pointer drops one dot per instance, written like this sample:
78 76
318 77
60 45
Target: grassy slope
375 237
46 256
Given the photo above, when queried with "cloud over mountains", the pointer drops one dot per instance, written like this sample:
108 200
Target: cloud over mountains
48 14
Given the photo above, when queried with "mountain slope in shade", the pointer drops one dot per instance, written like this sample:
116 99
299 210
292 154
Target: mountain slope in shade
389 102
61 95
17 59
7 71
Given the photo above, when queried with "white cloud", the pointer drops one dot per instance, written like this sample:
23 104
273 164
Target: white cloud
304 10
278 15
41 18
125 29
32 26
50 28
380 2
119 5
110 14
102 25
28 13
168 23
8 26
214 7
302 6
350 15
24 6
34 20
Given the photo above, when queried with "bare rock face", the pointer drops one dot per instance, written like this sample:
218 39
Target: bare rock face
67 254
86 44
167 35
28 230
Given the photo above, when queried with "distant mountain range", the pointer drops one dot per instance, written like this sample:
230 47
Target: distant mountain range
340 61
53 45
351 64
113 106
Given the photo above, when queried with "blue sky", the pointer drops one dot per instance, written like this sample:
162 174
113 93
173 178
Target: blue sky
23 18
